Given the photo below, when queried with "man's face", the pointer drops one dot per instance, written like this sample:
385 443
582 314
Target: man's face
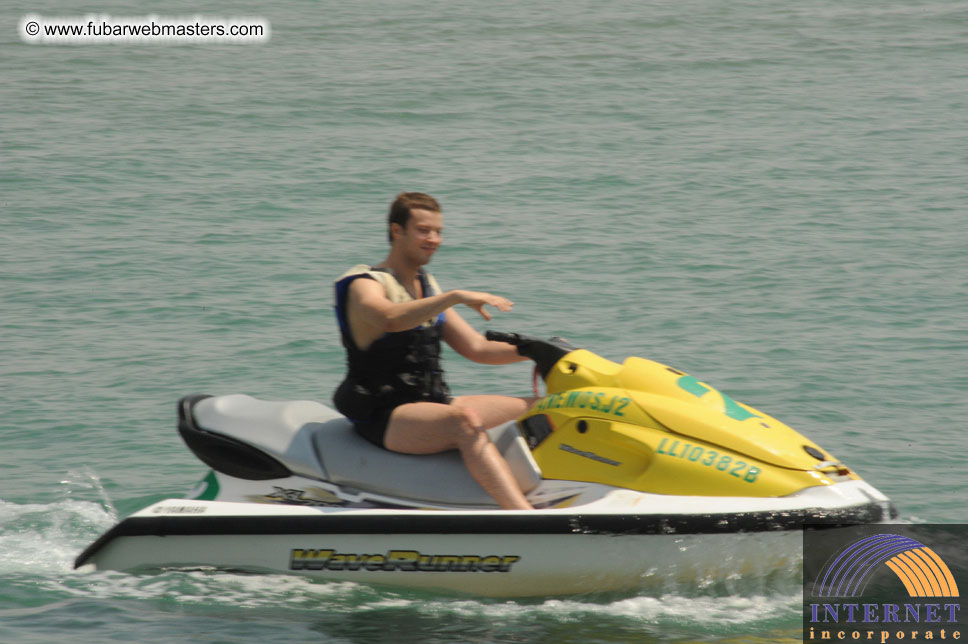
422 236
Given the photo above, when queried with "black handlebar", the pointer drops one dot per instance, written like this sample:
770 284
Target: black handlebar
501 336
545 353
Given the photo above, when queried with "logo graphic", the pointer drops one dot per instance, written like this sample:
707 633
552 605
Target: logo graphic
919 568
397 560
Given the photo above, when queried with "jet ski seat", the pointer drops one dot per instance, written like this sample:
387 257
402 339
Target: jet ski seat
312 440
355 463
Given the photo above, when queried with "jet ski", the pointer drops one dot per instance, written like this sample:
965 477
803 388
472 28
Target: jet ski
640 473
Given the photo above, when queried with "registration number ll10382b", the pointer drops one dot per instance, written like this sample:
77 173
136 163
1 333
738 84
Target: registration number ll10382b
725 463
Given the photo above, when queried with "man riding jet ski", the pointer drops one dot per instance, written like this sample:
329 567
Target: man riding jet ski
392 317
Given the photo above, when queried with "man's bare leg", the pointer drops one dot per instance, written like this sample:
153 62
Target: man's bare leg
429 428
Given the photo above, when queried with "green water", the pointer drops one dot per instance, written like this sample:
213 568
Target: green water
769 197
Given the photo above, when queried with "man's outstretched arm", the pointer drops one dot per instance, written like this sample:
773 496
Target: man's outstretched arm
465 340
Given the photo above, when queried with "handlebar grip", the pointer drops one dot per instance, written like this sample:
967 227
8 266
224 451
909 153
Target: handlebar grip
500 336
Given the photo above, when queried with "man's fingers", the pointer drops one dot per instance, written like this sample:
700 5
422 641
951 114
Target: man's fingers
481 300
503 305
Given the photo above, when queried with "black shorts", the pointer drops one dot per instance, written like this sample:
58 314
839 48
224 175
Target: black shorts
370 417
374 428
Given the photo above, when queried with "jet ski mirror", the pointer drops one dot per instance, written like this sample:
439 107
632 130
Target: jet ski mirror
545 353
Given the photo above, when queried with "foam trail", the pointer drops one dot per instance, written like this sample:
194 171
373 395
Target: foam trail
44 538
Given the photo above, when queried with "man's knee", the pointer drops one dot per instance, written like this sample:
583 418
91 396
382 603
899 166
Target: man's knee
468 424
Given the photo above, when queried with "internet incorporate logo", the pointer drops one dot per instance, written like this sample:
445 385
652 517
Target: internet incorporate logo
919 568
882 587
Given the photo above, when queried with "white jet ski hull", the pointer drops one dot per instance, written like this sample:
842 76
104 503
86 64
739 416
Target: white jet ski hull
607 545
508 561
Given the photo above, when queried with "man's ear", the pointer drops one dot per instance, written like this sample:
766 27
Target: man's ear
396 231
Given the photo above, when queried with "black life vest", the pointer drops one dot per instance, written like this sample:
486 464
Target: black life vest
399 367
